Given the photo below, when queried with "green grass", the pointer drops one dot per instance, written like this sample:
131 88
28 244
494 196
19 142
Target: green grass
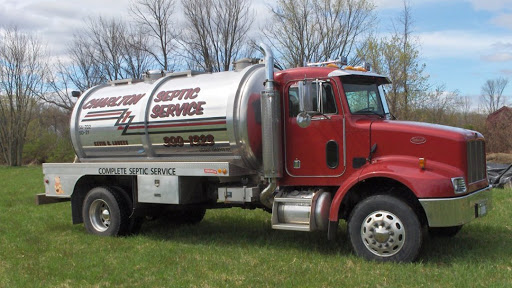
39 247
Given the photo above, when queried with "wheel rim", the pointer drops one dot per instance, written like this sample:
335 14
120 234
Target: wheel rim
99 214
383 233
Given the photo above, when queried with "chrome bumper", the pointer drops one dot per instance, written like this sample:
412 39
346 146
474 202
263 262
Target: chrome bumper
446 212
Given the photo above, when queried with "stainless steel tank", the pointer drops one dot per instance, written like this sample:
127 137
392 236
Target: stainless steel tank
182 117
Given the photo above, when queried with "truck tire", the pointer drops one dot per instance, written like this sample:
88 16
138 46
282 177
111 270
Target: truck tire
444 231
105 212
386 229
193 216
135 223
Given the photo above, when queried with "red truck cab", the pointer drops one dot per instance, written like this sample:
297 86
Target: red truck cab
381 172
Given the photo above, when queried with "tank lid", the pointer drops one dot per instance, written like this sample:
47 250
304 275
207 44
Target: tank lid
241 64
187 73
153 75
123 81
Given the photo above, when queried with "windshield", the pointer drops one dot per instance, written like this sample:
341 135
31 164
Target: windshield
364 98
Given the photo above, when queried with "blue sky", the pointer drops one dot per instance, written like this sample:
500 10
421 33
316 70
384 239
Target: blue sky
462 42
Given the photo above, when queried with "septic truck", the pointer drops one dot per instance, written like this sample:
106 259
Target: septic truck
311 145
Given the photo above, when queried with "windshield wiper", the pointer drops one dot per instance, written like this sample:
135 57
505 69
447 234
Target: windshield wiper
370 110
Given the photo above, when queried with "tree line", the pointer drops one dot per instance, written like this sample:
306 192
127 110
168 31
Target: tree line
35 93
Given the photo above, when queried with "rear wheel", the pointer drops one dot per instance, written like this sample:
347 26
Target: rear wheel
135 222
105 212
385 228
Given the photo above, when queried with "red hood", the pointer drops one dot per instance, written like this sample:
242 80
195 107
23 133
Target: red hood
438 143
426 130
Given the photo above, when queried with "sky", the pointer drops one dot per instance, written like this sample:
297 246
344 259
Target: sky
462 42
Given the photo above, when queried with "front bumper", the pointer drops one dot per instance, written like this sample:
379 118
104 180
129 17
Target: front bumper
446 212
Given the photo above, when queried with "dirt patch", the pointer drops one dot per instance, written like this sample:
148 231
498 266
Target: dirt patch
503 158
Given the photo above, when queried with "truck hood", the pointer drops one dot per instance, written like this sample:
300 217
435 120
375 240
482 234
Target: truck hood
425 130
438 143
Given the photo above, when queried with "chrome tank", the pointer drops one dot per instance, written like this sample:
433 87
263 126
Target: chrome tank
179 117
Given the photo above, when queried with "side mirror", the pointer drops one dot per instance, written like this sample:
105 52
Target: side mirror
305 96
305 104
303 119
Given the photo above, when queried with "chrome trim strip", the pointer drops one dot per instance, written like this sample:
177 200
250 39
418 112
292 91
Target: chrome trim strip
145 138
344 144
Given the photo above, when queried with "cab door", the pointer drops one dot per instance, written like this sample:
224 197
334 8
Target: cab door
317 150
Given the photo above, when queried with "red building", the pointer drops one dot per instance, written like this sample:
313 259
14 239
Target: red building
499 130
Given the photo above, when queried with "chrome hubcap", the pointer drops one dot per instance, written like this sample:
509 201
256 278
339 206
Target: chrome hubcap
99 214
383 233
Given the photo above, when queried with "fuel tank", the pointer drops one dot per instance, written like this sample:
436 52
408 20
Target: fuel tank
185 117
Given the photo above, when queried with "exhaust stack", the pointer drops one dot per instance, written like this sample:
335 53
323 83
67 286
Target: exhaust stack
271 130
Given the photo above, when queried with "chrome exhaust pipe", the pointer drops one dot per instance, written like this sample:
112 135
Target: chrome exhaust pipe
271 129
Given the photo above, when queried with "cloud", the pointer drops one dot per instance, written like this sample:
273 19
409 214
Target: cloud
498 57
458 44
399 4
55 21
502 45
500 52
503 20
506 72
451 43
491 5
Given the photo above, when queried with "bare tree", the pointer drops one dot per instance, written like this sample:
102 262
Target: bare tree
136 52
107 37
439 105
22 73
105 50
293 31
156 17
341 23
465 110
411 79
492 94
81 72
215 32
59 90
84 71
397 56
109 49
318 30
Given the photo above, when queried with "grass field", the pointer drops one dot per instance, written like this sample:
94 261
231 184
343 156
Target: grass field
39 247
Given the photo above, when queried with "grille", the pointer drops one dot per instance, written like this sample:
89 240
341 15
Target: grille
476 161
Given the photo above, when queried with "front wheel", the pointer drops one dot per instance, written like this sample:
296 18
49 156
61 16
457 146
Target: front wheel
385 228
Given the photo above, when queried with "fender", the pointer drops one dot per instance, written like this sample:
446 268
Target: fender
340 194
432 182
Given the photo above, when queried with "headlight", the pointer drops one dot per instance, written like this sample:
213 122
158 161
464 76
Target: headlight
459 185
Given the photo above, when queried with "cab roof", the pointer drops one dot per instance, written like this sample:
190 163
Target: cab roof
349 72
312 72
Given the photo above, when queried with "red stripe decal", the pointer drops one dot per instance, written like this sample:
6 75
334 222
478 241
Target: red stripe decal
175 125
103 114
